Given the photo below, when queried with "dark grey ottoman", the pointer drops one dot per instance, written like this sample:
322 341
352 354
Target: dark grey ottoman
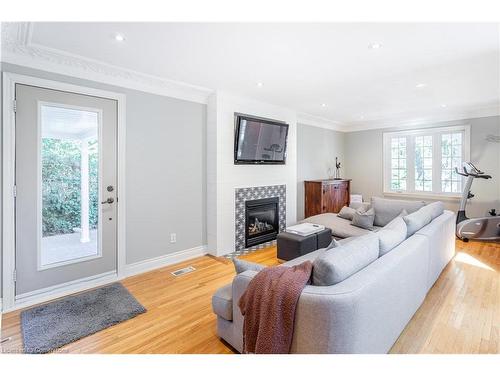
291 246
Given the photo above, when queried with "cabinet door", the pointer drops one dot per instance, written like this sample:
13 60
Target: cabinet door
312 203
335 196
328 204
341 193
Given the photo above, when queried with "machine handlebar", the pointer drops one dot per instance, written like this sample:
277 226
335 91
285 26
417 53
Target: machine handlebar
476 174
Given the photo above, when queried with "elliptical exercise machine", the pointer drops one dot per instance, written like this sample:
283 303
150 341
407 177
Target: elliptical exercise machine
481 228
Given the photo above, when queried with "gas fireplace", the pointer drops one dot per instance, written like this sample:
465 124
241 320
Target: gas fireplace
261 220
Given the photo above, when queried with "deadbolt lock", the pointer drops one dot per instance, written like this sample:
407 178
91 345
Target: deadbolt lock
110 188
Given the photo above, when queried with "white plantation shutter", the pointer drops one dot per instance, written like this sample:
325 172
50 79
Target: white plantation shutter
422 162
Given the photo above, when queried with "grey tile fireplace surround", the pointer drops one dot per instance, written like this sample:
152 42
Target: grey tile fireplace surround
250 193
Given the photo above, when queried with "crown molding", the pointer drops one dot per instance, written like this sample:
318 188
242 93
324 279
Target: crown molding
403 120
407 120
320 122
18 49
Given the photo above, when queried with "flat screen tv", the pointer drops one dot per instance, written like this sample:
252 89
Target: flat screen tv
259 141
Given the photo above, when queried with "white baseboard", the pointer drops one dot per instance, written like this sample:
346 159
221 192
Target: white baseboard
75 286
164 260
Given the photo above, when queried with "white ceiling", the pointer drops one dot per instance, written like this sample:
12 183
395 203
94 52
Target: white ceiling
304 65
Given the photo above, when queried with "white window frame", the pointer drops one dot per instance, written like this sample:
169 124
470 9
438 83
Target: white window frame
410 165
39 203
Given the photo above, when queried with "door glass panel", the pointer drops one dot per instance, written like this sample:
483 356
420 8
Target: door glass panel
70 184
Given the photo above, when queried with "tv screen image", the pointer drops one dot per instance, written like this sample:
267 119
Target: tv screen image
259 141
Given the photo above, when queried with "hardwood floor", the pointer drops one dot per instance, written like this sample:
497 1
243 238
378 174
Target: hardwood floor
461 313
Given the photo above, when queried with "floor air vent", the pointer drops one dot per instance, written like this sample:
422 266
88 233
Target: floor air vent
182 271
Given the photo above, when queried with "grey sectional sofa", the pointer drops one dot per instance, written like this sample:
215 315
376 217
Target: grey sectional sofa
342 228
366 312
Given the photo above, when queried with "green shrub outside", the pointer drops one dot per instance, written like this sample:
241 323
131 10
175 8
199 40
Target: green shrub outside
61 160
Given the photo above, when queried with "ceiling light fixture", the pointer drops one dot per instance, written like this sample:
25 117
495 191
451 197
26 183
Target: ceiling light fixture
323 105
375 46
119 38
260 84
443 105
420 85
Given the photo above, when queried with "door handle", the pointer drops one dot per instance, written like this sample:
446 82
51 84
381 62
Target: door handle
109 201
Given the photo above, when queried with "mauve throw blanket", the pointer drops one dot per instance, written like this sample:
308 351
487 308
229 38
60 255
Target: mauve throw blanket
268 307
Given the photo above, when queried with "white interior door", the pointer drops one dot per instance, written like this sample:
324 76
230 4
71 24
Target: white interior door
66 184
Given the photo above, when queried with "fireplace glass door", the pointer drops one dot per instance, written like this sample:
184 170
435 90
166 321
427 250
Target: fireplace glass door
262 222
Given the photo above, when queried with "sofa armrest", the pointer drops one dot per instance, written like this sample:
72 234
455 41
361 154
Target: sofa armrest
240 284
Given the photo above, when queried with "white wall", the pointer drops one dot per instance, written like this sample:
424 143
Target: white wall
223 177
364 161
316 152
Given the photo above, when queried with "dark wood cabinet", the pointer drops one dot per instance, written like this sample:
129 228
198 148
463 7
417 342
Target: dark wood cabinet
326 196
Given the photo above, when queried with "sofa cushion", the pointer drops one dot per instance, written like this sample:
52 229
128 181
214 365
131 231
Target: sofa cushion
363 206
222 302
341 228
417 220
388 209
337 264
313 255
309 256
392 235
434 209
364 219
243 265
346 213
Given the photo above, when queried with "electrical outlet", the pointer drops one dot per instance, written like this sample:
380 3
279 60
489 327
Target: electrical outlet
173 238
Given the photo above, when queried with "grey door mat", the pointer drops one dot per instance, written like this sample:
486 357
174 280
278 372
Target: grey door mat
47 327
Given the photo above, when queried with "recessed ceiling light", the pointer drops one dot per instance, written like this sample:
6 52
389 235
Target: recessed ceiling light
420 85
443 105
260 84
119 37
375 46
323 105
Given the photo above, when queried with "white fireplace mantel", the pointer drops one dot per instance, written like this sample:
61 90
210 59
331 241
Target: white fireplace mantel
224 177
